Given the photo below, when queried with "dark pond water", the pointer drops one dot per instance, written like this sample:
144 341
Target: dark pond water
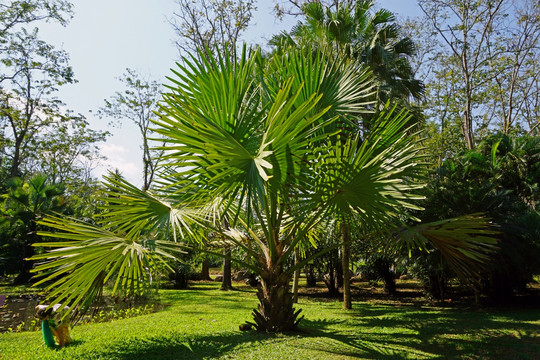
17 312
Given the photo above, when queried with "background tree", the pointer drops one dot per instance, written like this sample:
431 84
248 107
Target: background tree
465 37
27 106
18 15
14 13
68 153
372 39
137 103
31 117
482 75
294 7
23 206
499 178
209 23
38 136
513 62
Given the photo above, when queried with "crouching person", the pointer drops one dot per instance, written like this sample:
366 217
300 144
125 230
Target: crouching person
51 330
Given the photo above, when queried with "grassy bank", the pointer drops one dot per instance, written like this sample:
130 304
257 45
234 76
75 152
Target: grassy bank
202 323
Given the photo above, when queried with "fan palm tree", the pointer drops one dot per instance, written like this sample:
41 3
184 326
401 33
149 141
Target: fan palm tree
371 38
262 141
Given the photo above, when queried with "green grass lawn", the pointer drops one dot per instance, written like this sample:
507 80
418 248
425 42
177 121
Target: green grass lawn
202 323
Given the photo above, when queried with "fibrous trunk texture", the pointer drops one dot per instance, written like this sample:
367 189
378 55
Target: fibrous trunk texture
275 312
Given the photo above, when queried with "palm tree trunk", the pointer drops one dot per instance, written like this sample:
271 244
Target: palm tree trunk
275 312
345 255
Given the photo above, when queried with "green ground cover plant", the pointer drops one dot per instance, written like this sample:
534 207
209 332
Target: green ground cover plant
202 323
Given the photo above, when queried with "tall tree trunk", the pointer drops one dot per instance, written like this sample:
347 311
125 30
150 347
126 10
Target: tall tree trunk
205 270
226 283
148 168
468 124
14 171
275 312
345 255
467 77
333 278
296 277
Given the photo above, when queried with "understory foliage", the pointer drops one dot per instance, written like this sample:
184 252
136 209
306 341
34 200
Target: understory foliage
22 206
499 178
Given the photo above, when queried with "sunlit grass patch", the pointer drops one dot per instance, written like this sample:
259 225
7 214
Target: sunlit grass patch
202 323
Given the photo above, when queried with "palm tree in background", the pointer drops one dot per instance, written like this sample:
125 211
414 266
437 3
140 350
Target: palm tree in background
371 38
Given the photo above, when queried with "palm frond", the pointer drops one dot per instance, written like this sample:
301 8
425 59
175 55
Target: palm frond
86 257
377 177
466 242
133 211
345 87
218 133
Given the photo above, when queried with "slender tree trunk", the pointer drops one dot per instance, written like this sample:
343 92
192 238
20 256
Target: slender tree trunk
345 255
468 124
311 277
467 113
226 283
296 277
205 270
148 168
14 171
333 278
339 273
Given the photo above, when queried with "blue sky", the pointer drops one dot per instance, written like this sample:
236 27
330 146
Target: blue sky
106 36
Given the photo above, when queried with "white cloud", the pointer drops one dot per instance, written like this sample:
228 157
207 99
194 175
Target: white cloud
118 157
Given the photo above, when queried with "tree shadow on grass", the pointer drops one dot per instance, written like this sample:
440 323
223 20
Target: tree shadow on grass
213 346
356 345
374 332
378 332
180 347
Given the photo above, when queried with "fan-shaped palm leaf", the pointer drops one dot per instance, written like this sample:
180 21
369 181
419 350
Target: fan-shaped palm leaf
76 268
374 177
133 211
466 242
